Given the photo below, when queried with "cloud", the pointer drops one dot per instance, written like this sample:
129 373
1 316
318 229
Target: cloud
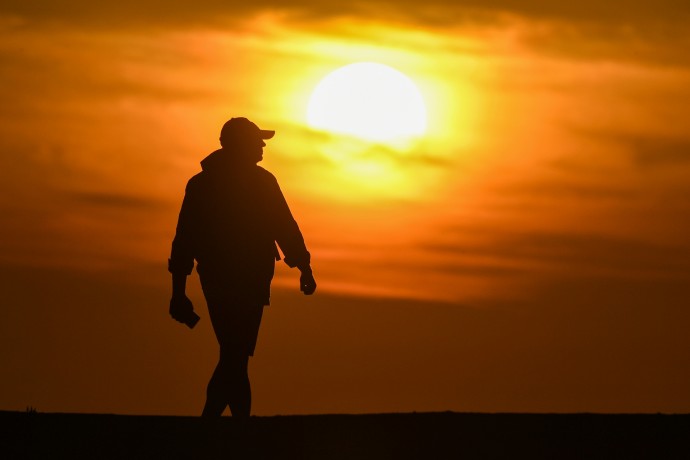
657 41
655 152
105 199
68 68
646 150
570 254
156 12
650 32
569 189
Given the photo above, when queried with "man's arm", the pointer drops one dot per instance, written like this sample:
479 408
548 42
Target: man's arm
181 263
179 284
182 252
291 242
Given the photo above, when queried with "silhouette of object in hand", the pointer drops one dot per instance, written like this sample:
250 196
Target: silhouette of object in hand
182 310
232 220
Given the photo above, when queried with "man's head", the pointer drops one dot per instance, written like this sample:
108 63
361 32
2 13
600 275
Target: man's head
244 137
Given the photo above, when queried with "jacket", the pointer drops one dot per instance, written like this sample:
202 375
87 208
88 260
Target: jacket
231 218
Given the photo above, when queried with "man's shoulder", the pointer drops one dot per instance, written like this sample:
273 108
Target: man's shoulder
196 180
265 174
202 180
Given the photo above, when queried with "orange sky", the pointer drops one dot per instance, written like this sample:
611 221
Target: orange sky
530 253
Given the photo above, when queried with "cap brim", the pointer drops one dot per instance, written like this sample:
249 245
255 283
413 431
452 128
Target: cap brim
267 134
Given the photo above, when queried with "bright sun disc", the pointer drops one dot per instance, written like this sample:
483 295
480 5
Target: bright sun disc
370 101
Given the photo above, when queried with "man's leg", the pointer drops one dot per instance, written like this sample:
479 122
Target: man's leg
216 392
229 385
236 325
240 390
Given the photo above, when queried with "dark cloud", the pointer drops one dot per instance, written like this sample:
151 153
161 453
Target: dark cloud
446 11
577 254
113 200
659 42
415 157
461 266
651 153
646 150
600 253
649 31
569 189
67 69
474 269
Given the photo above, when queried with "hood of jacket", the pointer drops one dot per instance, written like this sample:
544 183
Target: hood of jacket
219 161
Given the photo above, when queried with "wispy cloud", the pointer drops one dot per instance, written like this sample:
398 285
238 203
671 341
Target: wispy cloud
177 11
649 150
113 200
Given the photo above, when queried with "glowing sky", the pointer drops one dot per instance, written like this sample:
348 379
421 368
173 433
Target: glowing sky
530 253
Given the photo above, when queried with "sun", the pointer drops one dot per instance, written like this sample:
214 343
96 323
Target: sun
370 101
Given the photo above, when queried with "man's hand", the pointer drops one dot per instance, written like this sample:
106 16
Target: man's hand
182 310
307 284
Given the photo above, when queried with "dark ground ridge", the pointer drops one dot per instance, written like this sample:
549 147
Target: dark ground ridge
368 436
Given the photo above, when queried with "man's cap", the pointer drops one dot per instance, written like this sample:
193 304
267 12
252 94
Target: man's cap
241 128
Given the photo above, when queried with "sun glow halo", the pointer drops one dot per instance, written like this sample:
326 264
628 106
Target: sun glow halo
370 101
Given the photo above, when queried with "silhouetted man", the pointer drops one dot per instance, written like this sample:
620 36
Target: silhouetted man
232 216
